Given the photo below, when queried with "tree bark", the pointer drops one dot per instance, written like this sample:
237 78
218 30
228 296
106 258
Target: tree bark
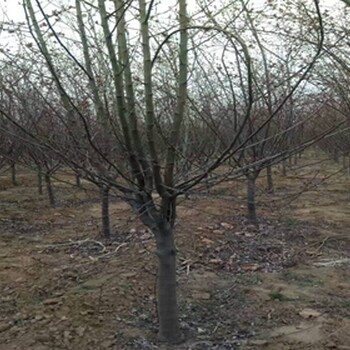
40 180
252 217
77 180
296 159
284 167
104 194
49 189
336 156
270 188
13 174
169 329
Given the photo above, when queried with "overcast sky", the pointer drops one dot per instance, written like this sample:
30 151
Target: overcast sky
12 10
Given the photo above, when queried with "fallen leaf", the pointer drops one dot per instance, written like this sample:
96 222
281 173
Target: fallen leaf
216 261
251 267
201 296
226 226
207 241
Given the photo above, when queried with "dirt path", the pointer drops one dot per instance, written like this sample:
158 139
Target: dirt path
285 285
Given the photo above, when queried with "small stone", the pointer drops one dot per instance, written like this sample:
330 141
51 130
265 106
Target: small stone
51 301
201 296
67 335
200 330
309 313
128 274
107 344
258 342
42 338
4 327
80 331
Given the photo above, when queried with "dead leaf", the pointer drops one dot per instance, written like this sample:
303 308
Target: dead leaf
201 296
216 261
226 226
251 267
207 241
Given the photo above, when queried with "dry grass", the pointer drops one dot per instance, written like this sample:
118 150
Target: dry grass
59 291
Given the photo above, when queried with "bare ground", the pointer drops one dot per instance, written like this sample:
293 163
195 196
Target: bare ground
283 285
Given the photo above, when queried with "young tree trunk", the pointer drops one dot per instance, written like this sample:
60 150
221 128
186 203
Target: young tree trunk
104 194
296 159
169 330
270 188
77 180
284 167
13 174
336 156
344 162
49 189
40 180
252 217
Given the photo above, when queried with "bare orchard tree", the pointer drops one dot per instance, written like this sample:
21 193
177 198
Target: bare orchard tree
268 132
115 128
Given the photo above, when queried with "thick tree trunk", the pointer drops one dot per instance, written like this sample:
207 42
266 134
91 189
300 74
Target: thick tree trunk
252 217
49 189
40 180
14 175
104 193
270 188
169 330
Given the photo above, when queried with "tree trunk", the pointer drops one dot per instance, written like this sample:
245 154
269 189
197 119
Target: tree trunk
270 188
296 159
77 180
49 189
336 156
169 330
104 193
13 174
40 180
251 199
284 167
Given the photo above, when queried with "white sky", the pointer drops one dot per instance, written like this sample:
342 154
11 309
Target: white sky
12 11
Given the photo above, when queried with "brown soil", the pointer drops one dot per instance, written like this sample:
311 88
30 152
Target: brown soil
62 286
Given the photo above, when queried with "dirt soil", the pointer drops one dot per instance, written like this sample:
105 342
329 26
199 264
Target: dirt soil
282 285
